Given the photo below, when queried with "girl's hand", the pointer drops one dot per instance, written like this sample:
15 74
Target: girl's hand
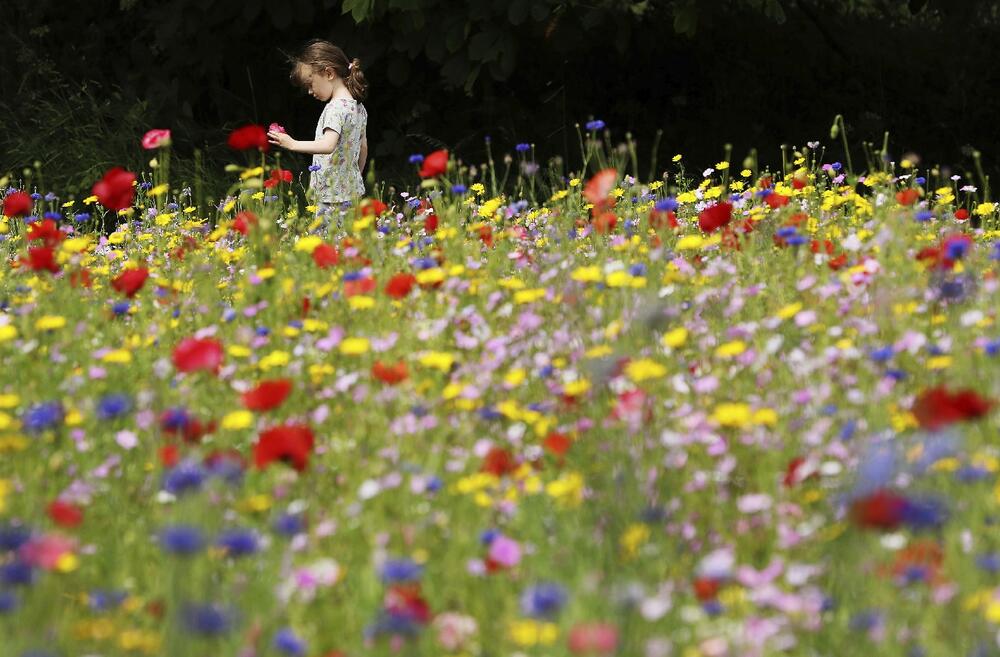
282 139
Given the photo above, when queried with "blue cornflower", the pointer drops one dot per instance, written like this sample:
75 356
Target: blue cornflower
286 642
490 413
847 431
314 167
289 524
638 269
896 374
35 196
924 215
413 202
145 185
12 537
425 263
238 542
995 251
181 539
353 276
956 249
992 348
416 158
595 125
668 204
400 570
51 196
99 600
543 600
926 513
434 484
488 535
920 180
970 474
865 620
120 308
882 354
876 469
459 189
17 573
183 477
296 323
786 232
113 405
262 331
207 619
796 240
172 207
989 562
392 625
520 148
175 419
712 607
836 166
82 216
40 417
54 216
8 602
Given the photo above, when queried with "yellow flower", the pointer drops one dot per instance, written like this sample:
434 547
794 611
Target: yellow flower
530 632
489 208
430 276
939 362
790 310
567 489
361 302
734 415
730 349
575 182
984 209
675 338
690 242
722 166
578 387
529 296
644 369
238 351
766 416
50 322
119 356
9 400
308 244
439 360
159 190
7 332
354 346
276 358
589 274
633 538
515 377
677 158
237 420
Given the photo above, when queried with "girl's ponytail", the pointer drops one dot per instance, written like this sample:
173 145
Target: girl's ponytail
318 55
355 80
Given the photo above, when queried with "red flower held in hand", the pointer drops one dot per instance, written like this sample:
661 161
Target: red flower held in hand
247 137
715 217
325 256
130 281
46 231
65 514
936 407
17 204
391 374
194 354
278 176
400 285
115 190
289 443
267 395
435 164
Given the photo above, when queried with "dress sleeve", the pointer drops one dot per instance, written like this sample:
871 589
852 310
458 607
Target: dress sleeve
333 119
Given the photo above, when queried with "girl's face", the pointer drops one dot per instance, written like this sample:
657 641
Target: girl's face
320 84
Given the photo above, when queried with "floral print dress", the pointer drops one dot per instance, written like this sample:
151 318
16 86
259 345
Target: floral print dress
338 177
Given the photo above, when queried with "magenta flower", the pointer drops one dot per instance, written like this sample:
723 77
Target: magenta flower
156 138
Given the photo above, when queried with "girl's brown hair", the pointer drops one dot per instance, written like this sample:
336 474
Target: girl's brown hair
319 55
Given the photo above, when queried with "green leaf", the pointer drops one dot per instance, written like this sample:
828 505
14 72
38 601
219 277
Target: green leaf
686 20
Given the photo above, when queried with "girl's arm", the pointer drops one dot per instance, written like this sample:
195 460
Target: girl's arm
322 146
363 155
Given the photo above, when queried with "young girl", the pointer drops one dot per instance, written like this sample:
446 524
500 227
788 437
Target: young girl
340 146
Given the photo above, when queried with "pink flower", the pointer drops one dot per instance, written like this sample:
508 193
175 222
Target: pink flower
599 638
155 138
274 127
505 551
46 551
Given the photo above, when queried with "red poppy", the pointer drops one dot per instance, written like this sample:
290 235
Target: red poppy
65 514
936 407
115 190
705 588
243 221
605 222
486 236
46 231
715 217
431 224
267 395
837 262
290 443
169 455
775 200
593 638
373 206
359 286
498 461
907 196
391 374
247 137
325 256
659 219
764 182
219 457
599 186
406 600
17 204
961 214
278 176
41 258
194 354
400 285
557 443
130 281
80 278
434 164
800 180
799 469
881 510
826 246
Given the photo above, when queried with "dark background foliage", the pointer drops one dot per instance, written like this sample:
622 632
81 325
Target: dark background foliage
80 83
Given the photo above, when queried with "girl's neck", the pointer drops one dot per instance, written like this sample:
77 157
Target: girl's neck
340 90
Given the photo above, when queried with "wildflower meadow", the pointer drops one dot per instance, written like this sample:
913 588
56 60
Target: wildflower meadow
711 411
